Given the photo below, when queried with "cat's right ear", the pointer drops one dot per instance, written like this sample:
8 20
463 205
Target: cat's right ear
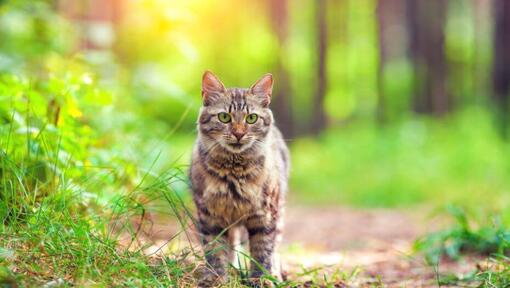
212 88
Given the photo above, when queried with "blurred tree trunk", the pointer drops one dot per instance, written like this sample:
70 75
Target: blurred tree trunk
387 17
483 20
383 15
390 22
501 62
426 21
319 116
282 105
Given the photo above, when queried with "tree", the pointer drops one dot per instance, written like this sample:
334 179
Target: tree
501 62
319 116
383 17
282 105
389 15
426 21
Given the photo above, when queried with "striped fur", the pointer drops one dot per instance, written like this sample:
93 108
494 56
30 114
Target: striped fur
239 184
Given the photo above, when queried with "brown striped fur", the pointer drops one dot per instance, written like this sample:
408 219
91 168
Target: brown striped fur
238 176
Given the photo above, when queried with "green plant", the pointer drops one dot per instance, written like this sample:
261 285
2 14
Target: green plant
488 240
66 198
496 274
462 238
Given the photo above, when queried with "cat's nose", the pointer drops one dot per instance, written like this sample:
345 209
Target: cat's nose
238 132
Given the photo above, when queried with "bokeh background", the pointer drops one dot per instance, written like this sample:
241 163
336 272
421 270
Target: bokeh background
389 103
383 103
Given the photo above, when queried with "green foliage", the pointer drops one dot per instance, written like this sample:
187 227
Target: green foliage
494 273
462 238
497 274
31 31
491 240
67 196
59 220
459 159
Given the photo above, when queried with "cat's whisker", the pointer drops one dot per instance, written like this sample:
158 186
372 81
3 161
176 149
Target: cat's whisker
288 139
209 149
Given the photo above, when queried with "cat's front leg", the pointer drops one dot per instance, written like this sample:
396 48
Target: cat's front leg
215 246
262 237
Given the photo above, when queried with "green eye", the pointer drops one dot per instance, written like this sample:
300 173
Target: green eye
224 117
252 118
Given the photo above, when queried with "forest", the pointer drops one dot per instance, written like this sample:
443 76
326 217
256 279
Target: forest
396 113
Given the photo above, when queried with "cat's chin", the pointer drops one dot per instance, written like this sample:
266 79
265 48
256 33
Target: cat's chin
236 147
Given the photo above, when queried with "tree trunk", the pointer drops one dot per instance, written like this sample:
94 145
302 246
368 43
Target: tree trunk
282 105
382 25
319 116
390 21
483 20
426 21
501 62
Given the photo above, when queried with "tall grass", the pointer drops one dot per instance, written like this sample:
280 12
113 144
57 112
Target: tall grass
61 237
63 210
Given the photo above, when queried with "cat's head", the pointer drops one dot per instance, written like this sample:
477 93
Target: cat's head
235 118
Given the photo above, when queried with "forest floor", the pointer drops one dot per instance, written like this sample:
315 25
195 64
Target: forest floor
366 247
374 244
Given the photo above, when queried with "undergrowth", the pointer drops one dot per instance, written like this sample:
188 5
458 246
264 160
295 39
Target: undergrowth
458 159
64 205
490 241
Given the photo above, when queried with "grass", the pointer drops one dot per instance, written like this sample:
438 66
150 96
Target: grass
467 237
462 238
68 200
496 274
56 231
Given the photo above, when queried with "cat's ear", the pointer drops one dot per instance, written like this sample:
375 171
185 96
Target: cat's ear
263 89
212 88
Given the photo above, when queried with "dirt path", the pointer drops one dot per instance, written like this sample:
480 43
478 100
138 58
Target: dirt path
377 242
375 245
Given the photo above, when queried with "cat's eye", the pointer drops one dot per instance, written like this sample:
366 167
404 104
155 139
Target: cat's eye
224 117
252 118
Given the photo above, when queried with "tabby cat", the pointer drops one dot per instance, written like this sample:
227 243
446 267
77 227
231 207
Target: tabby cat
239 172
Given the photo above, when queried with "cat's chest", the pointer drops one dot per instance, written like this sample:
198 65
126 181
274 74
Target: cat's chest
232 199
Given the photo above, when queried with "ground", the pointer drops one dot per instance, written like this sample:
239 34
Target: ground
377 242
369 247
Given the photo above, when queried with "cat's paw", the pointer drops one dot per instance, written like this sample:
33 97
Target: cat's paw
260 283
211 280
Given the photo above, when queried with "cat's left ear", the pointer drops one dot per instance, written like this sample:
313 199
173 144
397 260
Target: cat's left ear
263 89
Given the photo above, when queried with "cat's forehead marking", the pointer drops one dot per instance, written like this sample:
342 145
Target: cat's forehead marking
238 100
235 100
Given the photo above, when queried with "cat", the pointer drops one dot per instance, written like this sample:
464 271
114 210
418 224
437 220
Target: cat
239 173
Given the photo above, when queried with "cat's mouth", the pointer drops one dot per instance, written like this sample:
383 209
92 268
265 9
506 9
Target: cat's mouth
236 145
